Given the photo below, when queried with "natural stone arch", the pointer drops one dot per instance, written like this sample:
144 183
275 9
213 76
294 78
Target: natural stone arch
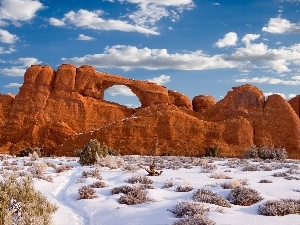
123 92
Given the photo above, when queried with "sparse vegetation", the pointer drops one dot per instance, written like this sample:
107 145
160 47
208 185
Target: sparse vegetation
212 152
139 179
244 196
21 203
92 151
207 196
134 197
86 192
266 152
280 207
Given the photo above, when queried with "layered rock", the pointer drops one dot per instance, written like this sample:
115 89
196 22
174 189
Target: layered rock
62 110
295 103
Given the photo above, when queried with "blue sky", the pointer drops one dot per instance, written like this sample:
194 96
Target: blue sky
194 47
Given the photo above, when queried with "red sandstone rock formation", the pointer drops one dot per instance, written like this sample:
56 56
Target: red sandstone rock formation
62 110
202 102
295 103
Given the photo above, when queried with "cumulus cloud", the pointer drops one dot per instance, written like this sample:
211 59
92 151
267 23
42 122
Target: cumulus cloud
56 22
248 38
253 55
289 96
281 26
7 38
13 85
161 80
149 12
92 20
19 10
294 80
120 90
19 67
230 39
83 37
8 50
130 57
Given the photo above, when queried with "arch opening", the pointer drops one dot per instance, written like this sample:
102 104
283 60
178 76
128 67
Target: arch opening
122 95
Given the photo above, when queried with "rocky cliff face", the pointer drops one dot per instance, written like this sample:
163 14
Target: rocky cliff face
62 110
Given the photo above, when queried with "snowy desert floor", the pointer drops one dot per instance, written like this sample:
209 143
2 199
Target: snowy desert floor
181 176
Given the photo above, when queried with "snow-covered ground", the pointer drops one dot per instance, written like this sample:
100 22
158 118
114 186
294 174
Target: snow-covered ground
196 173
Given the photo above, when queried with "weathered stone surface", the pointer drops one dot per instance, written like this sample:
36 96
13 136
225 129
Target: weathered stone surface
295 103
62 110
180 100
202 102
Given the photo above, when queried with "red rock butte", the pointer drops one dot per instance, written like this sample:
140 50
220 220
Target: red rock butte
60 111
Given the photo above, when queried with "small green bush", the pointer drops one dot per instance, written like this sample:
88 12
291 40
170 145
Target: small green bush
212 152
21 203
92 151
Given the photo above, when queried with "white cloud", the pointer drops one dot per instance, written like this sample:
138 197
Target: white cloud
92 20
280 60
250 37
8 50
120 90
148 15
289 96
161 80
56 22
19 10
216 3
130 57
18 71
270 80
280 26
83 37
13 85
229 39
178 3
7 38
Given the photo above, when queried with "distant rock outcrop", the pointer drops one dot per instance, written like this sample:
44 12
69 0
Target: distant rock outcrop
62 110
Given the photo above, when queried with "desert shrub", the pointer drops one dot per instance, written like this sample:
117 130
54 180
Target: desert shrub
112 162
168 184
194 220
266 152
279 207
220 176
244 196
280 174
251 168
98 184
28 151
139 179
207 196
134 197
63 168
86 192
94 174
208 168
34 156
188 208
21 203
185 188
292 178
265 181
123 189
130 168
212 152
92 151
37 171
